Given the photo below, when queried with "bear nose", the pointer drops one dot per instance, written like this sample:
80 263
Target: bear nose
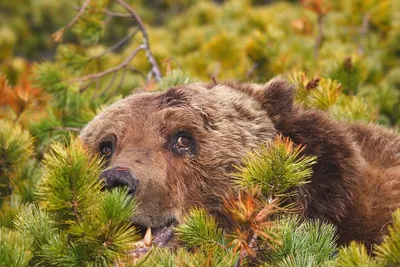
119 177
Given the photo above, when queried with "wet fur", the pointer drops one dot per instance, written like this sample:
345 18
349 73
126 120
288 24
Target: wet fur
355 184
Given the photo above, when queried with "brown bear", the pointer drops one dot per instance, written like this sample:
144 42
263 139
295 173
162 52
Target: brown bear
176 150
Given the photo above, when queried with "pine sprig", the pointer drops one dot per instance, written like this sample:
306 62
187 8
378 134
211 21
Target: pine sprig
93 227
200 229
16 147
70 187
311 240
275 168
15 248
36 224
355 255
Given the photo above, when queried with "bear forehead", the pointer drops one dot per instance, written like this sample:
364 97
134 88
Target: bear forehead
192 104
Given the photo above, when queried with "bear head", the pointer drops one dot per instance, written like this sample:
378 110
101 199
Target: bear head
177 149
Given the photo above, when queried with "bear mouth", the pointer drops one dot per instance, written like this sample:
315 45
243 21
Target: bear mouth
153 236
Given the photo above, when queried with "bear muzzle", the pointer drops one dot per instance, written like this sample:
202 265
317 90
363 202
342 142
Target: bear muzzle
120 177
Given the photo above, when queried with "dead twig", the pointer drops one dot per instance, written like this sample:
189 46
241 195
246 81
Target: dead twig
118 44
60 32
95 77
110 70
214 79
110 84
154 69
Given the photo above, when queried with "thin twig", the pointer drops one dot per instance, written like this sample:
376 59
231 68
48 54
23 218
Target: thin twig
155 69
214 79
363 32
109 84
118 44
121 81
110 70
59 33
320 35
132 69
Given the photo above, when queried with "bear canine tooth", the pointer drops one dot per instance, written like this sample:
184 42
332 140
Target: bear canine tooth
148 237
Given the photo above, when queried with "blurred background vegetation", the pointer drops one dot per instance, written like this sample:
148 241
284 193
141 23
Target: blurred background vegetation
63 61
354 42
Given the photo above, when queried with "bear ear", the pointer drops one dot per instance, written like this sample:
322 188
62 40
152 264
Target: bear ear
277 97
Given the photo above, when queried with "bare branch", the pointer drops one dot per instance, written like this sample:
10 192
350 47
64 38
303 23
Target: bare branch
155 69
121 81
110 84
137 71
95 77
117 45
110 70
60 32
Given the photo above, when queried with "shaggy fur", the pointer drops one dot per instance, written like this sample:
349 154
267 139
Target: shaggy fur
355 183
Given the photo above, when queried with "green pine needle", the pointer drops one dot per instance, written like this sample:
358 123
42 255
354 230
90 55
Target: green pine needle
117 206
308 241
16 147
49 77
36 224
275 168
14 248
174 78
199 229
355 255
70 186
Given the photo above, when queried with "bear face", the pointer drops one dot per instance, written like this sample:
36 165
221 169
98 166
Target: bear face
177 150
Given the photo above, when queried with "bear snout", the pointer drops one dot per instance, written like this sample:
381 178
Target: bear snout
120 177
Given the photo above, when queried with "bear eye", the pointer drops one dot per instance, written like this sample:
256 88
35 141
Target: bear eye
106 149
183 143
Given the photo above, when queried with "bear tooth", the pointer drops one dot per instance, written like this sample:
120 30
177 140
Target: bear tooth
148 237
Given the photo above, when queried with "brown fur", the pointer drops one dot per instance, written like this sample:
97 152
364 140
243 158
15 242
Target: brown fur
355 184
